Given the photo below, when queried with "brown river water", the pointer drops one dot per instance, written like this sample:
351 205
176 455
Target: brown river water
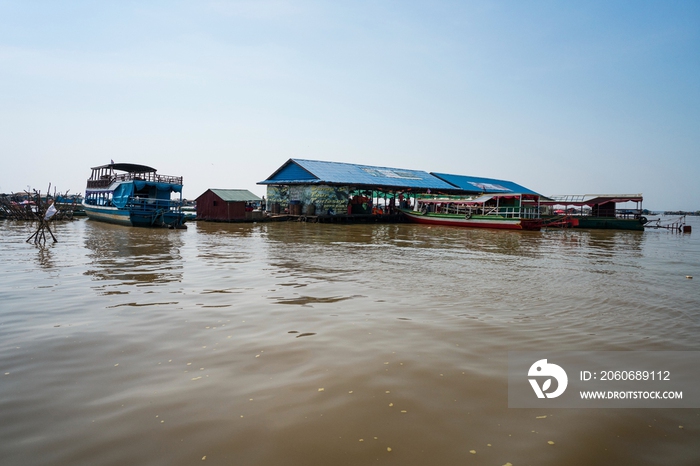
312 344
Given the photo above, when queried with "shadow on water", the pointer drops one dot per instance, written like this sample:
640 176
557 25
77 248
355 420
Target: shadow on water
133 256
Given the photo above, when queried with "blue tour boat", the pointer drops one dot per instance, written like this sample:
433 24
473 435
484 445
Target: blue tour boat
133 195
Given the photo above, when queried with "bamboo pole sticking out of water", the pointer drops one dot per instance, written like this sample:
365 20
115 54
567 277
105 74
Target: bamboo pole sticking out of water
39 235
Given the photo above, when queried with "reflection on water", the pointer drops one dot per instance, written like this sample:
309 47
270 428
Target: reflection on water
130 256
43 256
307 300
303 344
223 244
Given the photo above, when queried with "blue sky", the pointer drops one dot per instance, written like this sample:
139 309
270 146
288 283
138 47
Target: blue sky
562 97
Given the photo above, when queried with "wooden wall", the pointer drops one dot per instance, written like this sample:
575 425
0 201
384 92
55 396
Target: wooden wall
212 207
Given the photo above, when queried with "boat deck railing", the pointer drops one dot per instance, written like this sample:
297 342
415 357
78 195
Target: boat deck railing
608 213
149 205
106 180
503 212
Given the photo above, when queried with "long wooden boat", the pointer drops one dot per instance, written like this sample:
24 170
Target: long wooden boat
133 195
505 212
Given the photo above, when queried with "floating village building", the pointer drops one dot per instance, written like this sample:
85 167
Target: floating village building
320 188
225 205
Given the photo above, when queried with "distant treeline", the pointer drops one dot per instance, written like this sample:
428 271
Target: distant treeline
681 212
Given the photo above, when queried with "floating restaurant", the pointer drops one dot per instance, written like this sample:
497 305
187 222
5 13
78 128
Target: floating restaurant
343 190
333 191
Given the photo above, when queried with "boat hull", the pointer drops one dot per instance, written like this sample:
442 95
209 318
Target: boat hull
607 223
597 223
476 221
133 219
108 215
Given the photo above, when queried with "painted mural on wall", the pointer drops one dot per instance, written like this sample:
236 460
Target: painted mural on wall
330 199
324 199
277 194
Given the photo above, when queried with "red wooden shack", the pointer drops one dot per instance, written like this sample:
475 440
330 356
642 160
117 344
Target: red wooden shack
225 204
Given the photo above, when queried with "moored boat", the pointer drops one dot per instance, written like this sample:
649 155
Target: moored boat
133 195
595 211
505 212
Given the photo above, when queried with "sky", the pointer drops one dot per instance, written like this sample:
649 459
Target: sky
561 97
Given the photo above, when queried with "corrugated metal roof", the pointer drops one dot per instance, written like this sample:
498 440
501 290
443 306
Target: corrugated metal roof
230 195
475 184
300 171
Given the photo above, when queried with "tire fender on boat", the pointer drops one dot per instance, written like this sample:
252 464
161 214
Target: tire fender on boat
468 216
643 220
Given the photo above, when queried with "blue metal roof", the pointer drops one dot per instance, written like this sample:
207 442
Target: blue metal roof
299 171
475 184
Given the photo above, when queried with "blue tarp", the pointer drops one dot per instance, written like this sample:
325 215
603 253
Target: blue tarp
159 186
122 194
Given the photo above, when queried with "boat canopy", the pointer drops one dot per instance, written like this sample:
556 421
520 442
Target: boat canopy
591 199
478 200
127 167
